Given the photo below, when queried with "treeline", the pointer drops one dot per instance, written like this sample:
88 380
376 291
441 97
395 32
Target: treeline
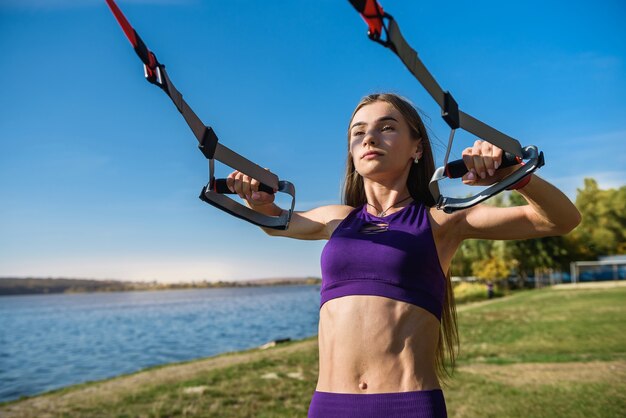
32 286
602 232
29 286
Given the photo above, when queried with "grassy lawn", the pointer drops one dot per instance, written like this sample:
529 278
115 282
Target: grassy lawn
541 353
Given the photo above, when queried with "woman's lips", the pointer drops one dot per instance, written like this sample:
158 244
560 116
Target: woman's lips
370 155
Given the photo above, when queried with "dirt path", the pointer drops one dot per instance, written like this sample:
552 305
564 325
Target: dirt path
111 391
590 285
523 374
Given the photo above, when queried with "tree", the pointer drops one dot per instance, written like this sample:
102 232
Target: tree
484 259
603 227
538 255
496 266
601 232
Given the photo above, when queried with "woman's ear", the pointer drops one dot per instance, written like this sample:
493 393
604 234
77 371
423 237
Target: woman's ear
419 150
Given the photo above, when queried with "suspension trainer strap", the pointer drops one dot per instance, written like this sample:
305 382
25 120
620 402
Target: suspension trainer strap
379 23
209 144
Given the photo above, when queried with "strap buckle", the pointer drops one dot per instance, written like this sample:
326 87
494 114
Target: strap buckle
374 16
154 76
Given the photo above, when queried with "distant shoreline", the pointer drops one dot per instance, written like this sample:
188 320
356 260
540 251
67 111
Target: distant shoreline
37 286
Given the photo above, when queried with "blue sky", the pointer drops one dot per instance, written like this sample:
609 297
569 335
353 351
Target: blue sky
100 175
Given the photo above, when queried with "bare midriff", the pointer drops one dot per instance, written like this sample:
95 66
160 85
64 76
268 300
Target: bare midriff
373 344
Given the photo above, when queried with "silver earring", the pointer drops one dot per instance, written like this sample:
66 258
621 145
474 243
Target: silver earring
417 159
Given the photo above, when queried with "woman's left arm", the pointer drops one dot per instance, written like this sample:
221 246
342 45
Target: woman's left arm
549 212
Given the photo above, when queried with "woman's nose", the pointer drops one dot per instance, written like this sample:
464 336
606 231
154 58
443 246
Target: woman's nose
369 138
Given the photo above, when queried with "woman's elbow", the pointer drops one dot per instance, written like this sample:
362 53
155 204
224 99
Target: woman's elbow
567 223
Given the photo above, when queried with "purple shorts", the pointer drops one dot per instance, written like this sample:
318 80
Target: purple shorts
418 404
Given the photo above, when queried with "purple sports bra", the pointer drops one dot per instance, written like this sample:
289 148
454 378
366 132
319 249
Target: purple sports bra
392 256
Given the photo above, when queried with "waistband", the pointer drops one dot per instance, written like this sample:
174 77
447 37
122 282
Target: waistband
417 404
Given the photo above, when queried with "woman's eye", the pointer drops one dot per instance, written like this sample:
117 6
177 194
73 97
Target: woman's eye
358 133
387 128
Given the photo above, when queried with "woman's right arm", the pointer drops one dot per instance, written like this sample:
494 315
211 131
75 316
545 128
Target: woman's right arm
314 224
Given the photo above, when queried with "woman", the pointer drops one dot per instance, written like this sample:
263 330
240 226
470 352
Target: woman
387 317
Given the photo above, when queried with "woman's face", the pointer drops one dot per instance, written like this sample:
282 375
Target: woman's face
380 142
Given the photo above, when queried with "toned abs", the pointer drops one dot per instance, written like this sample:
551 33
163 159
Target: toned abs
371 344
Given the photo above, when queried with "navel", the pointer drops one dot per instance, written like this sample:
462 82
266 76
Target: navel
362 385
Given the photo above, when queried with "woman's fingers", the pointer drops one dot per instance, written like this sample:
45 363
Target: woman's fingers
482 161
255 194
254 186
497 157
230 181
469 163
487 152
239 184
246 190
247 187
482 158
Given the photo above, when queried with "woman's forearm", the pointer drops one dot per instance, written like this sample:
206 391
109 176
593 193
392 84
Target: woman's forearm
269 209
551 205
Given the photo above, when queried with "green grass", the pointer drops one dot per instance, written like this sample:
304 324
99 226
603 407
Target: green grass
476 396
561 329
540 328
546 325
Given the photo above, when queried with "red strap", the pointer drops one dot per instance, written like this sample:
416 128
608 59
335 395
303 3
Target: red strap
121 19
373 14
141 49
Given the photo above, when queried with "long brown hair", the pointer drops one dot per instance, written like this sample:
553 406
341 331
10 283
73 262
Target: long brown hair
417 184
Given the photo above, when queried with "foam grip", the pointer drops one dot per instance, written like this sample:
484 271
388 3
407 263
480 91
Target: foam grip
457 168
219 186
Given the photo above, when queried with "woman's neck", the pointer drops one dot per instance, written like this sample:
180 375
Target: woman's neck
386 198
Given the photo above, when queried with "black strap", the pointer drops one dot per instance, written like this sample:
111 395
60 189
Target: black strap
378 22
208 142
207 139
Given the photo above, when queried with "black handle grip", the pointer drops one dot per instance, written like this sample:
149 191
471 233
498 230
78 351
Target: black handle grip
219 186
457 168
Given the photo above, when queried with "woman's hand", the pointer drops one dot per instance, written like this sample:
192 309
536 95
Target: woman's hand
306 225
482 160
248 188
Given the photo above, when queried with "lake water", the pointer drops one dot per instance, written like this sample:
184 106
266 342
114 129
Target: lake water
51 341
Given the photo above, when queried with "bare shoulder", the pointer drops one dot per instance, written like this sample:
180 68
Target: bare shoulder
328 214
445 226
337 211
334 215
